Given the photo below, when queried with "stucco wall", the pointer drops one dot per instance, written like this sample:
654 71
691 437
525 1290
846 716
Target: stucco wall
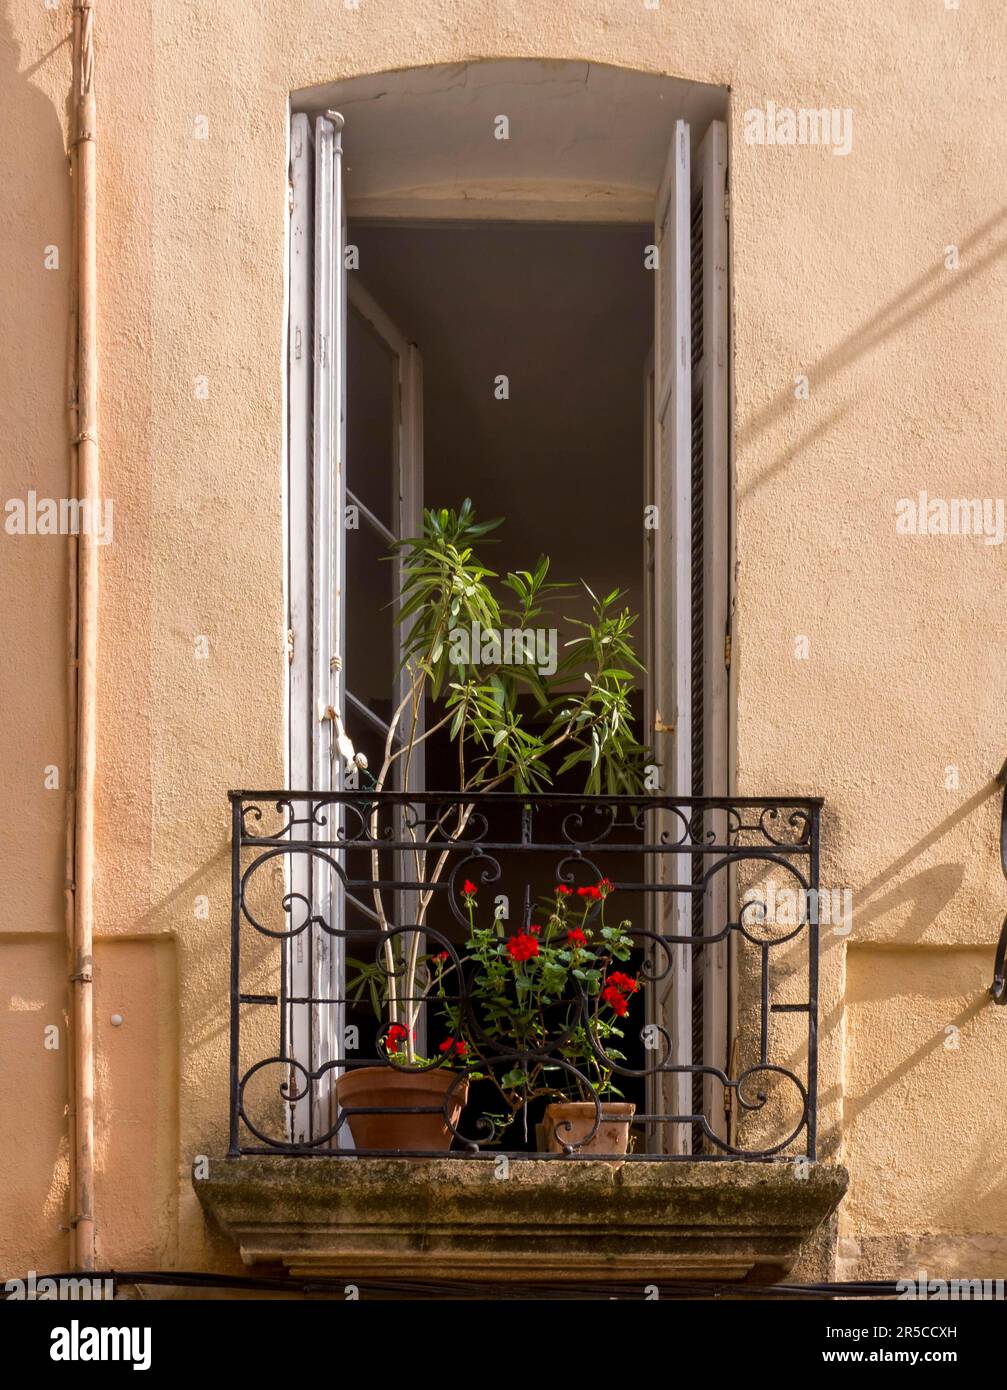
34 303
838 273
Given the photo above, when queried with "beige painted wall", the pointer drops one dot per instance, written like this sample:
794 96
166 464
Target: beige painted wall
839 273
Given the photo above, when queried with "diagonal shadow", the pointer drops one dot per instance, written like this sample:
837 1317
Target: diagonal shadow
853 1108
929 289
892 870
928 894
798 447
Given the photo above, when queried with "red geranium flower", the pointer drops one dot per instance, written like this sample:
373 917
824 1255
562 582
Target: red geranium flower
395 1037
562 891
442 956
605 886
469 889
590 892
624 982
616 1001
522 947
535 931
576 937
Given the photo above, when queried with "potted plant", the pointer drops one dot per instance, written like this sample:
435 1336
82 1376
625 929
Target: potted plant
542 1016
411 1104
584 719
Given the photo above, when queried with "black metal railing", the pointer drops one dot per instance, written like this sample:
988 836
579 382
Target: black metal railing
348 952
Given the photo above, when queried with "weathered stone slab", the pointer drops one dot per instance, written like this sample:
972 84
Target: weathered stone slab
580 1219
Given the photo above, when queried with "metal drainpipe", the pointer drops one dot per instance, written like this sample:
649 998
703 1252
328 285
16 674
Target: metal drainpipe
82 619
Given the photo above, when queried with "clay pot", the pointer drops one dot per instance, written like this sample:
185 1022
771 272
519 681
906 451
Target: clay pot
613 1127
392 1090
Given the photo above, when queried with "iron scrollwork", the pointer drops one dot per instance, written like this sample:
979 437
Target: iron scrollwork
323 879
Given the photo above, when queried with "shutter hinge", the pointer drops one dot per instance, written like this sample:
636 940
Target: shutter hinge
727 206
290 196
290 645
660 727
727 648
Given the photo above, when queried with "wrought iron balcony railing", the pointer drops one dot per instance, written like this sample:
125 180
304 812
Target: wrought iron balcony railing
349 928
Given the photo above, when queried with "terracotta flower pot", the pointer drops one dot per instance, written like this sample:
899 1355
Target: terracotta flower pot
393 1090
613 1127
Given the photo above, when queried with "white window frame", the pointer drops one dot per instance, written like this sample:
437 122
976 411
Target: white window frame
670 383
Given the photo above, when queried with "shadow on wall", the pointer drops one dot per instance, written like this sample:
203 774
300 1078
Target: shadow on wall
928 891
35 213
923 1132
932 1046
928 290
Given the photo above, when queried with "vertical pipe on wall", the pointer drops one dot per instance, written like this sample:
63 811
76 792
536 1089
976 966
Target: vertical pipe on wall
70 779
86 636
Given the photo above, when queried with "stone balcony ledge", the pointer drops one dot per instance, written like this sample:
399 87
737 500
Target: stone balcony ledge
545 1220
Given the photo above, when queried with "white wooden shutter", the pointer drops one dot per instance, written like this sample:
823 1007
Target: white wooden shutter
300 527
689 599
300 387
316 488
672 579
710 438
329 575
